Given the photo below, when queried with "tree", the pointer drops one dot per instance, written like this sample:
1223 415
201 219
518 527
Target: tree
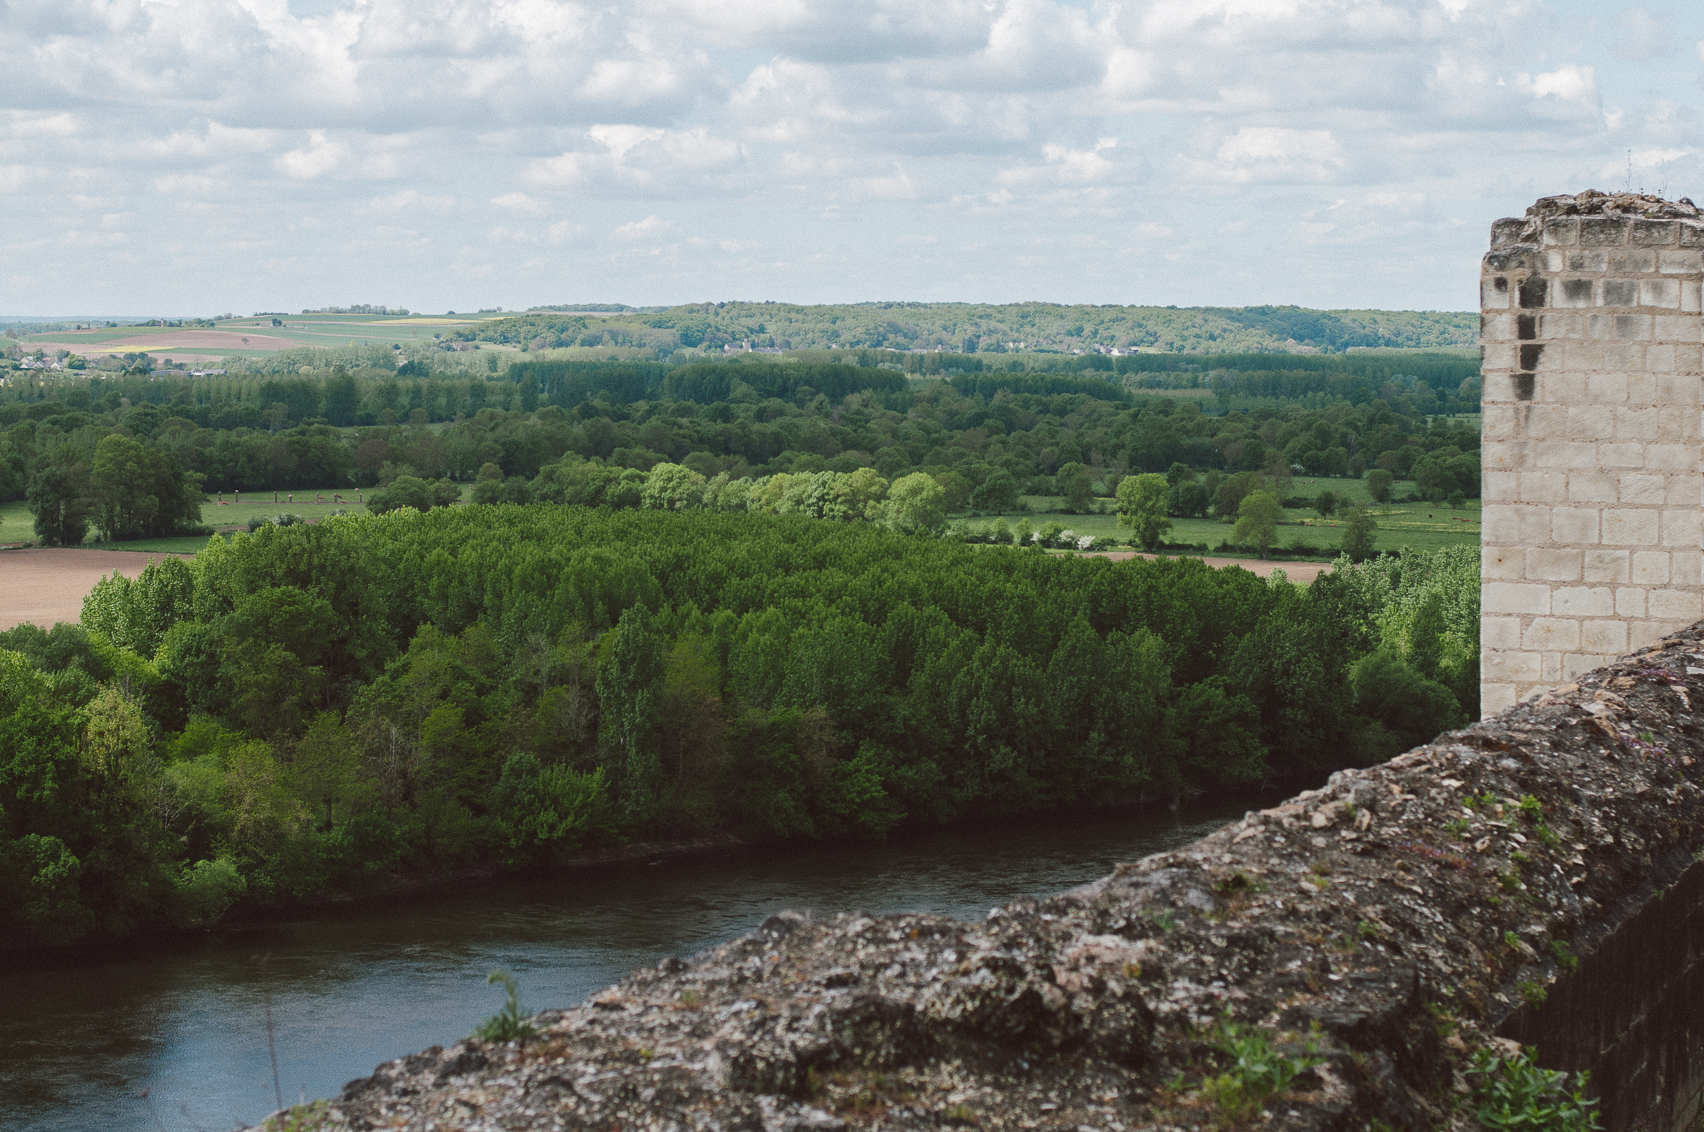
671 487
1231 492
1142 507
1379 482
140 492
915 504
1257 520
342 398
57 496
631 689
403 491
1325 504
999 492
1358 538
1074 485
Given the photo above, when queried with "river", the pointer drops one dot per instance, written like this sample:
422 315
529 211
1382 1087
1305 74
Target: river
174 1038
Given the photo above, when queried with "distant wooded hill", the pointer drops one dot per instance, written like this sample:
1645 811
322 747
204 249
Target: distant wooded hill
981 328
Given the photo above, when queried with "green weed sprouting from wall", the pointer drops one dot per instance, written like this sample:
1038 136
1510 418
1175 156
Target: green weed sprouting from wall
510 1023
1259 1071
1513 1094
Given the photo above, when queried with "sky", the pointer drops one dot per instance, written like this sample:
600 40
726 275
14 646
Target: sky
197 157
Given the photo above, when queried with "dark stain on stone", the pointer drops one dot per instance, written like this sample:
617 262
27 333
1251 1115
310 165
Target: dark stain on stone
1578 291
1525 384
1530 356
1534 290
1526 327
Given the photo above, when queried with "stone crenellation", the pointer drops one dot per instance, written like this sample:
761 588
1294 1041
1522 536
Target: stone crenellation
1593 476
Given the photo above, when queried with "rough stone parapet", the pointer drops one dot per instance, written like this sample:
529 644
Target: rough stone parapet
1591 335
1402 916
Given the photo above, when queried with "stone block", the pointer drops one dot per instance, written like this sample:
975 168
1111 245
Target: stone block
1511 666
1544 487
1605 566
1671 457
1691 292
1595 260
1574 526
1493 297
1630 601
1621 454
1499 487
1677 605
1629 526
1653 233
1604 636
1680 526
1550 667
1676 327
1582 601
1514 598
1680 262
1588 422
1499 633
1498 355
1561 232
1659 293
1493 698
1576 664
1553 564
1495 327
1595 487
1660 358
1633 261
1564 454
1641 388
1640 488
1502 564
1618 293
1554 327
1606 388
1684 567
1573 293
1679 490
1650 568
1562 388
1602 232
1689 359
1691 234
1624 357
1502 388
1498 422
1503 455
1673 390
1643 633
1513 524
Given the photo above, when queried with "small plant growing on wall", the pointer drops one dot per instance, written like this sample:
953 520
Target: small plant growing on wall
1513 1094
510 1023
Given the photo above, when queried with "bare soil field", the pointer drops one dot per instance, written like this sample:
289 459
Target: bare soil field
46 585
1301 573
215 342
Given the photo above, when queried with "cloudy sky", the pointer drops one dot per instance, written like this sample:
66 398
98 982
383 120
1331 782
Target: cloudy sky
202 156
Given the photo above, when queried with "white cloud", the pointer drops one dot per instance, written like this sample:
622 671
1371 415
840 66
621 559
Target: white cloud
833 127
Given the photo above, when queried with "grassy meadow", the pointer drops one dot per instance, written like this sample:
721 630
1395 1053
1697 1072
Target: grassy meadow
1422 526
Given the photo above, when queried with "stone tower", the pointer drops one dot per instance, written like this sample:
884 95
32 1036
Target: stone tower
1593 474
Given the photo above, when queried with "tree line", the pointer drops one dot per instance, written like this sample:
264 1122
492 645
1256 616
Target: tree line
986 438
318 708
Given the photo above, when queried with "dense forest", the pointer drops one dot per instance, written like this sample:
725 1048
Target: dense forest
131 453
317 708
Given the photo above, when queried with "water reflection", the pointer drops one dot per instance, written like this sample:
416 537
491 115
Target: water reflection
175 1040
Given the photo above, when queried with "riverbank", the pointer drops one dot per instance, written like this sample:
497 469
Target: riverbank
358 983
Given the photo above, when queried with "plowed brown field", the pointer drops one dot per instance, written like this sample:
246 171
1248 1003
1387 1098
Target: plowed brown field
45 586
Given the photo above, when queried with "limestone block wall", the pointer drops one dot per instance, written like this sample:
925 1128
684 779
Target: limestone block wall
1593 475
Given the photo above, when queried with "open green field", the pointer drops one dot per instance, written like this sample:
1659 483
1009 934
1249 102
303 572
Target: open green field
253 337
1423 526
17 525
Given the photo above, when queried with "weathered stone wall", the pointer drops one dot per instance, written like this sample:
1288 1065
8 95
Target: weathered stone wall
1593 472
1404 916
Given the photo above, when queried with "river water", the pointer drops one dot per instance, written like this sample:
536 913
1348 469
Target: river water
174 1039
